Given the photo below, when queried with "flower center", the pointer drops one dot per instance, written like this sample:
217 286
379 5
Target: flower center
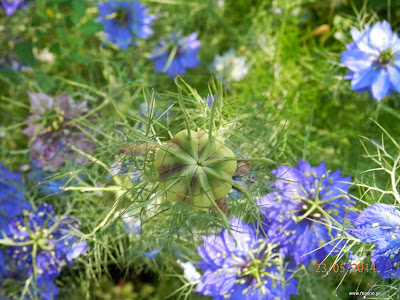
121 16
53 121
261 258
310 212
386 57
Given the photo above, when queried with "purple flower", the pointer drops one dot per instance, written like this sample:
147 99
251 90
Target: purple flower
125 21
51 130
300 213
56 246
250 269
374 60
176 55
380 224
11 6
12 200
3 272
45 289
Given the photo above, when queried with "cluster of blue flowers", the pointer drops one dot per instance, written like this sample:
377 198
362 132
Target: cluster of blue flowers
124 22
34 244
303 214
373 58
303 219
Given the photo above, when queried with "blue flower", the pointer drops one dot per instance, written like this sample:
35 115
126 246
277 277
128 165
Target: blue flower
153 253
47 184
189 270
11 6
380 224
174 56
45 289
132 222
3 271
299 214
56 247
374 60
209 100
354 259
125 21
12 200
250 269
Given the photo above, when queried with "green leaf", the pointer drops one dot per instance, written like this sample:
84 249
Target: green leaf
56 49
90 27
79 8
11 76
24 52
46 83
79 58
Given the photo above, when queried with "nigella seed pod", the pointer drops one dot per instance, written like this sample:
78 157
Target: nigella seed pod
195 169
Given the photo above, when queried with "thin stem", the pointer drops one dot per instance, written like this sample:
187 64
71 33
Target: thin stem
182 105
9 242
393 179
92 189
262 159
97 161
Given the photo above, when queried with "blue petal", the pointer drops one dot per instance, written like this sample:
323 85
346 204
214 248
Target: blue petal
160 63
355 60
378 222
152 253
381 85
189 59
380 35
176 68
363 44
394 76
386 257
363 78
77 250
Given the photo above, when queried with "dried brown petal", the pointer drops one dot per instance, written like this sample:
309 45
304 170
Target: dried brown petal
222 204
137 148
243 167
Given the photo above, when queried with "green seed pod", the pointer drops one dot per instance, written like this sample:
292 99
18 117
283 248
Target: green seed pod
193 170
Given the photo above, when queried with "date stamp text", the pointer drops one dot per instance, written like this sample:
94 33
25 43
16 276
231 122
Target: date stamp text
341 268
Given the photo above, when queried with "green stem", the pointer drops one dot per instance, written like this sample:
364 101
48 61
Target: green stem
34 252
170 59
92 189
393 180
182 105
262 159
84 86
8 242
91 112
97 161
333 198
